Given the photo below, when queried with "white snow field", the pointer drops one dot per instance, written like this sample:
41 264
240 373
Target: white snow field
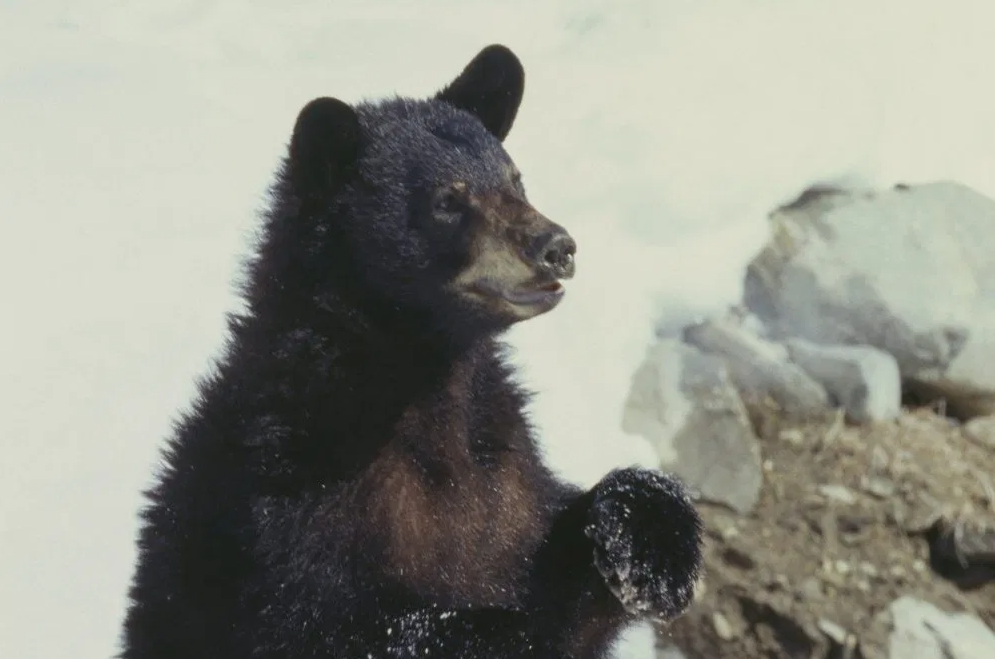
137 141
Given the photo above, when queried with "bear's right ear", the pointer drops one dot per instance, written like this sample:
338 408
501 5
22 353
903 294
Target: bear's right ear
324 147
490 87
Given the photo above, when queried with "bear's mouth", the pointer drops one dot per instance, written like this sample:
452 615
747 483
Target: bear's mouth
532 298
545 294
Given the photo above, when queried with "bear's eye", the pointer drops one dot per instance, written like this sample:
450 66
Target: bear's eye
447 203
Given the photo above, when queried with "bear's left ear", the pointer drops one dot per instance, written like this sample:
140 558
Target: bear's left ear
490 87
325 146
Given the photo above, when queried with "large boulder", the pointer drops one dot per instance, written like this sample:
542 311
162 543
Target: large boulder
909 271
760 369
684 402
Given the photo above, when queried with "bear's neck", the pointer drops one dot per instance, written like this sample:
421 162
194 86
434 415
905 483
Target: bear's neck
375 331
337 382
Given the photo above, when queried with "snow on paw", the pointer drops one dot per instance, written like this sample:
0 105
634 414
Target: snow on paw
647 541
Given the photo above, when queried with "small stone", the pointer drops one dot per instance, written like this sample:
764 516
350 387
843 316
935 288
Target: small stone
920 520
841 567
919 565
851 539
868 569
833 631
723 629
882 488
792 436
838 493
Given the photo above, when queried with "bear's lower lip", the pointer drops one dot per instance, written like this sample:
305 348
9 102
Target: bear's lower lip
546 294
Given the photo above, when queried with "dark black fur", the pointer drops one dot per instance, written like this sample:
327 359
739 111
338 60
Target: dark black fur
356 477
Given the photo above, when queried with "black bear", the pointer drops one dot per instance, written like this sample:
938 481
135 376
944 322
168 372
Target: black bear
356 477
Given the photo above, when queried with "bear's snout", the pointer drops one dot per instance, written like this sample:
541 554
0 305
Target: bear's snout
553 252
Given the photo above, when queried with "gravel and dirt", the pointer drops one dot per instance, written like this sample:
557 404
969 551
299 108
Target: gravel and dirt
850 518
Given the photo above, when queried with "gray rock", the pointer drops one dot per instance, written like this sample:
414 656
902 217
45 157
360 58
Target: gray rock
811 589
833 631
760 368
920 630
838 493
882 488
863 380
723 628
685 404
908 271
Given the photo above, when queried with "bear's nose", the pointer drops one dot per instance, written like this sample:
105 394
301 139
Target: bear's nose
555 254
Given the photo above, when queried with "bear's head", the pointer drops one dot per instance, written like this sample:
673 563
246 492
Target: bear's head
416 209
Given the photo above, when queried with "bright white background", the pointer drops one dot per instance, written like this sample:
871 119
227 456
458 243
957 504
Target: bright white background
137 140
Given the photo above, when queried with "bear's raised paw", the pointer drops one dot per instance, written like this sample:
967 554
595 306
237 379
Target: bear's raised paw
647 541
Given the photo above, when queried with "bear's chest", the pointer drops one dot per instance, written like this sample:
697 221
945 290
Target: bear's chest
458 507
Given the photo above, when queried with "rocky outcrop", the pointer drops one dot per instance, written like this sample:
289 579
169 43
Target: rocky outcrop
843 416
908 271
759 368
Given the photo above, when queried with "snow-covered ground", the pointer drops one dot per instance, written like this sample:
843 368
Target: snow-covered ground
137 140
